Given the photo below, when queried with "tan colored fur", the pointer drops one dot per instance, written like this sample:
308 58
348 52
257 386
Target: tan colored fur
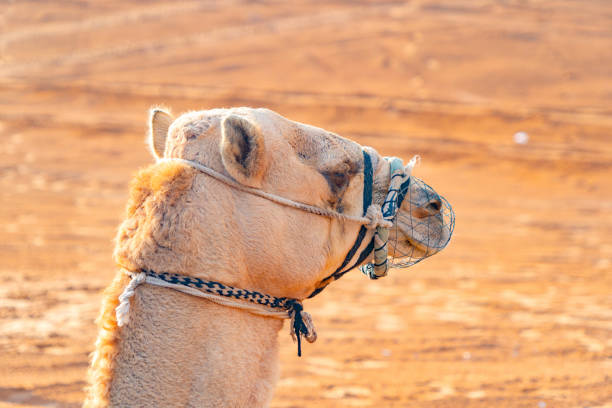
161 185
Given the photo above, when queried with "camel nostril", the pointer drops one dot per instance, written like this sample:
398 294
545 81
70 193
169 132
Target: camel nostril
434 205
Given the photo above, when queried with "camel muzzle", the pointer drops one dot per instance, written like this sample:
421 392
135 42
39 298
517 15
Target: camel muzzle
423 224
413 223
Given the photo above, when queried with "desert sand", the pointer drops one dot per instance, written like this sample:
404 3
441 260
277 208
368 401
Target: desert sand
516 312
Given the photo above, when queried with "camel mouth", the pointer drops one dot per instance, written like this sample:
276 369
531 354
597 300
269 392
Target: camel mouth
419 244
422 247
437 238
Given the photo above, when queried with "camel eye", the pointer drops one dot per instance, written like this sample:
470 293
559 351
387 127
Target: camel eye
338 179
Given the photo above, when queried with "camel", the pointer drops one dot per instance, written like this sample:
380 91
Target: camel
177 349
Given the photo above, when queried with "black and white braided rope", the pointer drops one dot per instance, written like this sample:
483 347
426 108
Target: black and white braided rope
218 288
258 303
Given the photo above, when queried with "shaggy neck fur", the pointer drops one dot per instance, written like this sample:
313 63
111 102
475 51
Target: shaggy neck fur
177 350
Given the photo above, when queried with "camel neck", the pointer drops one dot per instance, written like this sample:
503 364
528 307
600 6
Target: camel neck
187 351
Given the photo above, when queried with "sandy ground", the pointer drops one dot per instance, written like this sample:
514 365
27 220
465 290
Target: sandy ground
517 312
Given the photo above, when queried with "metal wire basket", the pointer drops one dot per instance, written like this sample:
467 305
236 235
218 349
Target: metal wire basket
422 227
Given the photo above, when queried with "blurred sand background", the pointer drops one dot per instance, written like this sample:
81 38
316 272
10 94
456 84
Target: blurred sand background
516 312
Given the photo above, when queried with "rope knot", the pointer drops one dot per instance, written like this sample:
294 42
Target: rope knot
123 310
375 215
301 324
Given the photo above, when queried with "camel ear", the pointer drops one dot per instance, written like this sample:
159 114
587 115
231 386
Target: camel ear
159 122
242 150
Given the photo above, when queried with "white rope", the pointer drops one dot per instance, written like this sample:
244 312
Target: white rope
375 215
372 221
123 310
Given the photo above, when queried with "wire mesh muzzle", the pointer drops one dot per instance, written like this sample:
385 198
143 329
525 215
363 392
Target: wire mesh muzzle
422 226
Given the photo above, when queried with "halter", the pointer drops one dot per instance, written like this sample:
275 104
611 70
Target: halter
374 222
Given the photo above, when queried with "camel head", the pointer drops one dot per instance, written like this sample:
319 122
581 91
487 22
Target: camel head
183 221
